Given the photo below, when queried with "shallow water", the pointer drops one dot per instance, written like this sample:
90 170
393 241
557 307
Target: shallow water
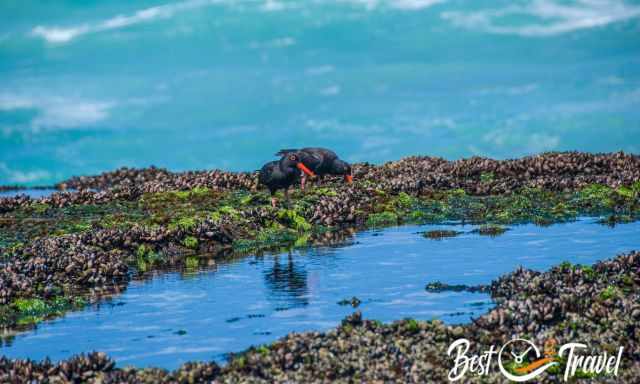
33 193
259 299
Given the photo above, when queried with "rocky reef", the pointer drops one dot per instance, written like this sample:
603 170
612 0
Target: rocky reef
130 221
61 251
597 305
564 171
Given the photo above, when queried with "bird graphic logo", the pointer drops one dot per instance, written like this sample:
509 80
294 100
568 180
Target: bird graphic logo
525 360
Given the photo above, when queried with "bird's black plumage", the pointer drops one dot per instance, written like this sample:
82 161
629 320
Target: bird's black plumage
274 177
281 174
321 161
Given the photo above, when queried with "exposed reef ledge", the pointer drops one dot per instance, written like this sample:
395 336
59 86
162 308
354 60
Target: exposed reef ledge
417 175
597 305
141 220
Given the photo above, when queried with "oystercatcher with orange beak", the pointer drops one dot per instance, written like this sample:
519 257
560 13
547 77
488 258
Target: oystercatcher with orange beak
320 161
282 174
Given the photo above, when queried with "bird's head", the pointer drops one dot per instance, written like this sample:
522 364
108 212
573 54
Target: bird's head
341 167
292 161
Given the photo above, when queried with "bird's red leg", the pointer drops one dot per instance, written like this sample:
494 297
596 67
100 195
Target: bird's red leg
273 202
303 180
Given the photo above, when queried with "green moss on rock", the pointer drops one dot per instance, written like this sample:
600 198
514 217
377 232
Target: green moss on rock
190 242
382 219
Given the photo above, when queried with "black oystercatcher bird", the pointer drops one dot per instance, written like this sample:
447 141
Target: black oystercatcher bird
282 174
321 161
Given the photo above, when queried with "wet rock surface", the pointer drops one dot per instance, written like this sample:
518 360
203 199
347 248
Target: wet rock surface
131 221
490 230
440 234
418 174
96 367
141 220
597 305
438 286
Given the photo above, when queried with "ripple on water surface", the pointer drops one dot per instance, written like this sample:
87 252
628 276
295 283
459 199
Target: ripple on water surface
176 317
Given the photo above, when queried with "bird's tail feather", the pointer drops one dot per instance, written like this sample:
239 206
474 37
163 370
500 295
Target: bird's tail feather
284 152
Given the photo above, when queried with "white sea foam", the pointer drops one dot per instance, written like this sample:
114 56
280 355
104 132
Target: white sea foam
17 176
532 143
58 112
512 91
64 34
320 70
414 4
59 34
283 42
398 4
331 90
551 17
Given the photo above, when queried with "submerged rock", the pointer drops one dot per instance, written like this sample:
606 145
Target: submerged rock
354 302
440 233
438 286
492 230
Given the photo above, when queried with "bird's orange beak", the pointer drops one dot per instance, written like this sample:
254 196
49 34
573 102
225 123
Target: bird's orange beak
348 178
306 170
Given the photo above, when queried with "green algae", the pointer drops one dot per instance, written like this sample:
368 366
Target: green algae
191 263
263 350
382 219
183 211
190 242
146 257
293 220
610 292
487 177
27 311
184 223
527 205
588 271
411 325
267 238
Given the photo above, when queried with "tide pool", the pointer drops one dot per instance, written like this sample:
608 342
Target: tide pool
203 315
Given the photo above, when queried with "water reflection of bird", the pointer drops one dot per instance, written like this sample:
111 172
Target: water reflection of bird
320 161
288 280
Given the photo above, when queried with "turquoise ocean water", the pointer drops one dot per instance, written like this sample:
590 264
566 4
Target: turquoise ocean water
90 86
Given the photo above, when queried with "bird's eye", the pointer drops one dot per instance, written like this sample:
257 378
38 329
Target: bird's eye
292 157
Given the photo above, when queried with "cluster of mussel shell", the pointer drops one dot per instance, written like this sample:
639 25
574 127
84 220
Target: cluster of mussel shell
601 303
529 302
565 304
481 176
97 367
560 171
54 262
598 306
97 257
100 257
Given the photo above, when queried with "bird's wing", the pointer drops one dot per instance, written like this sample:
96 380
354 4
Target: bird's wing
311 160
267 173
